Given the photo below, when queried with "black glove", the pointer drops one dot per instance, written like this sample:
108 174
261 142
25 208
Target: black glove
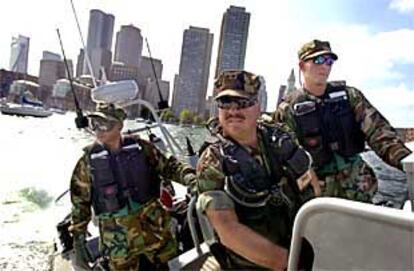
82 257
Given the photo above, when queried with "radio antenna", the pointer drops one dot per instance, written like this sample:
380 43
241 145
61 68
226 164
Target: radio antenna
88 60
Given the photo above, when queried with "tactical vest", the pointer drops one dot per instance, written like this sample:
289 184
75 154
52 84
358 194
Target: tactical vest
120 177
327 126
247 182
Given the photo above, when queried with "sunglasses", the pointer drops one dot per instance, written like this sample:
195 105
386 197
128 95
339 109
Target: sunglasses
319 60
101 125
228 102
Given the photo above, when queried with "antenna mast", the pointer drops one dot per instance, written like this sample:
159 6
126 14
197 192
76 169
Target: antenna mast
162 104
88 61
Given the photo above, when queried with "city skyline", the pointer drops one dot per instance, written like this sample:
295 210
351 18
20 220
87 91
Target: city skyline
276 32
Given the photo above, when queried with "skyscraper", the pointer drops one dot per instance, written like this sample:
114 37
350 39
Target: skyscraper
79 63
233 39
52 68
128 46
99 43
191 83
262 95
19 56
284 90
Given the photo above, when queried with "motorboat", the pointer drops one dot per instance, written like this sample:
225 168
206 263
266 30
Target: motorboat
336 233
24 110
27 107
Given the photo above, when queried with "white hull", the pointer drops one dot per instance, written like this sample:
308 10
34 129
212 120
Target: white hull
23 110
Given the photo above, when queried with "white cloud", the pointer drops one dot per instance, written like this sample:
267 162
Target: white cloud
396 103
365 57
403 6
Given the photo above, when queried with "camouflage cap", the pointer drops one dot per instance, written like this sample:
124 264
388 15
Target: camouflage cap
109 111
315 48
236 83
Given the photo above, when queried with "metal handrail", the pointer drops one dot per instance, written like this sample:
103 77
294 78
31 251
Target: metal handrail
171 142
408 166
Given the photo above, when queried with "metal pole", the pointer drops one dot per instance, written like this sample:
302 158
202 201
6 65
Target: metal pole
162 104
81 121
88 61
408 166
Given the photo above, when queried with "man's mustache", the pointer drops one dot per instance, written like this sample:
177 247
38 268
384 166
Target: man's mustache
237 116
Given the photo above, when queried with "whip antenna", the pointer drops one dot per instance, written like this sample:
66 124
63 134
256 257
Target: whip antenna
162 104
80 120
88 61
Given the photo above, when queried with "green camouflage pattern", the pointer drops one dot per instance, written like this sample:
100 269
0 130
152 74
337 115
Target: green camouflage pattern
146 230
236 83
315 48
346 178
109 111
272 221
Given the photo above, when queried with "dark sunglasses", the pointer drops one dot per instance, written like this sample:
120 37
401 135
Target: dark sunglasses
323 59
228 102
101 125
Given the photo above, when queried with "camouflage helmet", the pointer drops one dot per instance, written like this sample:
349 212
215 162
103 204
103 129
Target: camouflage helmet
315 48
109 111
236 83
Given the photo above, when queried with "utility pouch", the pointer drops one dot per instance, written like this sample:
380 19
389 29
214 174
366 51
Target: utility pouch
304 108
92 247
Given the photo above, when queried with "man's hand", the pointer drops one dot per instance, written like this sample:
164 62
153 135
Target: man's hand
82 257
246 242
309 178
315 183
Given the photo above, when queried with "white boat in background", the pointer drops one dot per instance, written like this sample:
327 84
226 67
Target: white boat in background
28 106
25 110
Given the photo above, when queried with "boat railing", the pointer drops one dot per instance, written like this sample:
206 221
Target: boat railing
408 166
172 143
347 235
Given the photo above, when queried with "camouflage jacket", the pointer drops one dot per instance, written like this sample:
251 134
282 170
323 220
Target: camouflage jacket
81 182
271 221
379 134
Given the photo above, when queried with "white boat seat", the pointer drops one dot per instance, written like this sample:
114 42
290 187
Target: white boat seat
348 235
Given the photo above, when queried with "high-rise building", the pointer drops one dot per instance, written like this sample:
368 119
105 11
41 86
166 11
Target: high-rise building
79 63
19 56
145 72
99 43
151 93
47 55
120 71
291 82
50 71
128 46
145 68
262 95
192 80
284 90
233 39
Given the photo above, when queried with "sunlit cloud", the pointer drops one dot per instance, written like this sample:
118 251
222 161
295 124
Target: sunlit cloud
403 6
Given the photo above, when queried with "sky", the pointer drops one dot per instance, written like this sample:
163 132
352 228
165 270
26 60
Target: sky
374 39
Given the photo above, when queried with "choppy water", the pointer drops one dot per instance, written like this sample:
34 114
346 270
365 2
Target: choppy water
36 161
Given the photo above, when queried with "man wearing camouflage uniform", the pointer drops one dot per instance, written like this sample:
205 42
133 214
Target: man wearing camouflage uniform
119 177
250 177
333 122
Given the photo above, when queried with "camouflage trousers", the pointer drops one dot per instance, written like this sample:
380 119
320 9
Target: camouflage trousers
358 182
145 232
